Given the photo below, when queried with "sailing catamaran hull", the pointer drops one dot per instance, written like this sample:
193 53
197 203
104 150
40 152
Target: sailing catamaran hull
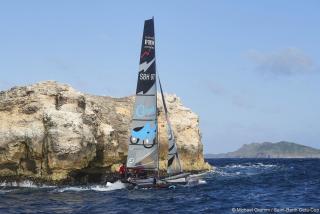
177 179
146 184
163 184
167 182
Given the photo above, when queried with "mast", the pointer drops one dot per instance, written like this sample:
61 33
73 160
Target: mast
143 151
174 166
158 144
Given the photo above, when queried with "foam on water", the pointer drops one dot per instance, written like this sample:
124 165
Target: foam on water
24 184
246 169
202 181
195 182
226 174
99 188
249 165
109 186
3 191
71 189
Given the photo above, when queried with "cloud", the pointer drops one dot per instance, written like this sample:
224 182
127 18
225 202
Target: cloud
237 99
289 61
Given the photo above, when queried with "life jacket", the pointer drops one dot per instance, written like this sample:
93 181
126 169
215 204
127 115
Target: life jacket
122 169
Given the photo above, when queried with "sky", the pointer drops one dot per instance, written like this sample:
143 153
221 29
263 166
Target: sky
249 69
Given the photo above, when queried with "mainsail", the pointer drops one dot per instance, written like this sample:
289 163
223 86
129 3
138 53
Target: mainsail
143 142
174 166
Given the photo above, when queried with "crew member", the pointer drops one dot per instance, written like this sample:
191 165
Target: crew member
122 170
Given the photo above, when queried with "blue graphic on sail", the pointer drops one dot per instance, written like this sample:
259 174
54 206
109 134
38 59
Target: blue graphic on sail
146 134
144 111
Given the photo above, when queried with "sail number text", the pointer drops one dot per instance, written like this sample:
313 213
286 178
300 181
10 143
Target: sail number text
146 76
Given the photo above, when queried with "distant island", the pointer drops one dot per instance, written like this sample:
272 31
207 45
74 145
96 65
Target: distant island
281 149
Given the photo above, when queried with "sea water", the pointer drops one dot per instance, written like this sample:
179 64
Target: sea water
236 186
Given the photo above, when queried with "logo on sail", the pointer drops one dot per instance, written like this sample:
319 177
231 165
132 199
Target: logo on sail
149 42
146 134
144 74
143 111
145 65
145 53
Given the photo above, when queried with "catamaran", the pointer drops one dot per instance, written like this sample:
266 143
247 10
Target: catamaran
143 151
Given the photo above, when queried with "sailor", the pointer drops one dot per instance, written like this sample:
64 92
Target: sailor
122 170
154 180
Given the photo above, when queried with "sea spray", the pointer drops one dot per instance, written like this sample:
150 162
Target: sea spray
99 188
24 184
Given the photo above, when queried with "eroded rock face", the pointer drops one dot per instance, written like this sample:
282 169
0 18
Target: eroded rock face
51 132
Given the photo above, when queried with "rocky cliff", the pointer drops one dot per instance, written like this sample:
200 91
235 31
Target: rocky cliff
51 132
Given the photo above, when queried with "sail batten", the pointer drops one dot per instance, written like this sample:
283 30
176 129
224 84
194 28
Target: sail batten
143 142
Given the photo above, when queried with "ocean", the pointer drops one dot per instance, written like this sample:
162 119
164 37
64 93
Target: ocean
236 186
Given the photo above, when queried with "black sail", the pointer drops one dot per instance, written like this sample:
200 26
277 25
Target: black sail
147 71
143 141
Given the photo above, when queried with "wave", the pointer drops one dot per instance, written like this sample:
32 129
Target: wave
24 184
195 182
202 181
244 169
7 187
99 188
109 186
226 174
4 191
249 165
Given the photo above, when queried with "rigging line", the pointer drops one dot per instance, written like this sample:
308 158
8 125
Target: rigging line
162 95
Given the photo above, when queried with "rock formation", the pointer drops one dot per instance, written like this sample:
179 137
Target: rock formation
53 133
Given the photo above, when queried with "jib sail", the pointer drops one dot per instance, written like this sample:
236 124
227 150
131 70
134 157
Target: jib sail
174 166
143 141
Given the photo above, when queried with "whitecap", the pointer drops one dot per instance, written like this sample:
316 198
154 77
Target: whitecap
202 181
196 182
248 165
4 191
109 186
71 189
99 188
24 184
